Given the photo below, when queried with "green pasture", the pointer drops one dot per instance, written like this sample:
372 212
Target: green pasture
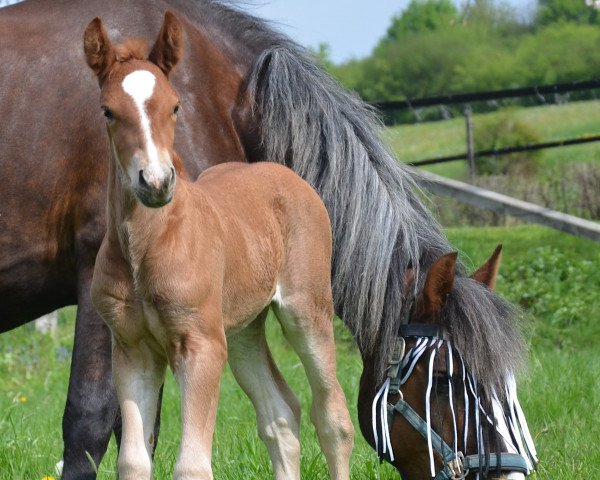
552 122
553 275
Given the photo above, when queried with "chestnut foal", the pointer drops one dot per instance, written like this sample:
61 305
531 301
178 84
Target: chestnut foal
185 277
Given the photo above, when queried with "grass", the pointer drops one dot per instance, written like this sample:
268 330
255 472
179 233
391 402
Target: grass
560 392
552 122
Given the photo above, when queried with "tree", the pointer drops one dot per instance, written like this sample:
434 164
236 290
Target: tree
577 11
421 16
322 55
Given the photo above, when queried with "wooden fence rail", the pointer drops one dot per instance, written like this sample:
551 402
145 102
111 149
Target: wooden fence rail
528 212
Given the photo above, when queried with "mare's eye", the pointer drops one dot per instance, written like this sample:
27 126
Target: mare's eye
108 113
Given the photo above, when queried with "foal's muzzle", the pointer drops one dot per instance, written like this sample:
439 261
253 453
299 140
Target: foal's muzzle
155 193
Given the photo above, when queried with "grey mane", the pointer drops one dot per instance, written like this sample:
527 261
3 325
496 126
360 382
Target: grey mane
380 226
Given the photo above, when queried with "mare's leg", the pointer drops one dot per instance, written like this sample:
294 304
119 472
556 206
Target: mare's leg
139 374
92 406
197 358
307 324
277 408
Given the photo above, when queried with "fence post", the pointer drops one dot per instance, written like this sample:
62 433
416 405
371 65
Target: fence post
470 146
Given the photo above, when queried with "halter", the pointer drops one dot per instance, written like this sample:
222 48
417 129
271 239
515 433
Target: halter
521 456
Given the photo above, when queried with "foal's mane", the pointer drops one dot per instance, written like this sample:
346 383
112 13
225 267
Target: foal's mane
380 225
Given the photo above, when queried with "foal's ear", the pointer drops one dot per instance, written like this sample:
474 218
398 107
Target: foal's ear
488 272
439 281
99 52
168 48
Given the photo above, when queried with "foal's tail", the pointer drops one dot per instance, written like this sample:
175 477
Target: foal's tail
380 228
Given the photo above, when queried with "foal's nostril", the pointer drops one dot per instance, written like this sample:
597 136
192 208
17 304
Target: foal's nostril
142 180
172 174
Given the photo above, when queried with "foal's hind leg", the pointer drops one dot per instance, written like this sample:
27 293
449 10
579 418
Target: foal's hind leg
307 324
277 408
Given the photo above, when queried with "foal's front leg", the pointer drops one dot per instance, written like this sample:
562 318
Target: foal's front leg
197 359
139 373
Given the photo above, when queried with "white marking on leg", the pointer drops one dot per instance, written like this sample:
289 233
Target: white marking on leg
277 408
515 476
139 85
329 413
58 468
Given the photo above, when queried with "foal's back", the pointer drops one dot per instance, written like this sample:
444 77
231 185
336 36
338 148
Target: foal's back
274 232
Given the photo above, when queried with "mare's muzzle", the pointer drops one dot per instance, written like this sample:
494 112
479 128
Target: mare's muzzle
155 193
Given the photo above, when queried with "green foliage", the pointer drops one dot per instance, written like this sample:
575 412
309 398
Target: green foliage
432 49
578 11
422 16
562 52
322 55
492 15
556 289
500 131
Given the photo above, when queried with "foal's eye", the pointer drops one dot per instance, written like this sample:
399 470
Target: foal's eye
108 113
176 109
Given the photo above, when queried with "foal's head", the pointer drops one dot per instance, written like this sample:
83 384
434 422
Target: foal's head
139 105
454 395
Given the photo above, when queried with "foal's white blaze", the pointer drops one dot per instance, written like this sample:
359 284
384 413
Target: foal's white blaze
139 85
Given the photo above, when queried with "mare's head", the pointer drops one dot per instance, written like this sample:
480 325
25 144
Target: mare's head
140 106
453 394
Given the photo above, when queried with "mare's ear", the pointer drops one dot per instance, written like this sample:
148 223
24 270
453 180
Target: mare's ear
168 48
439 282
99 53
488 272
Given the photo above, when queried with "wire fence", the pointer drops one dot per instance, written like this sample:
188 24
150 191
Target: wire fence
468 98
464 98
487 199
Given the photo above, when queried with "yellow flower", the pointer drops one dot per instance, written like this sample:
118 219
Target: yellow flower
22 399
48 478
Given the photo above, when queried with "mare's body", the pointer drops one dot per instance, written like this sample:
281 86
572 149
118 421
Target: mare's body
53 164
54 156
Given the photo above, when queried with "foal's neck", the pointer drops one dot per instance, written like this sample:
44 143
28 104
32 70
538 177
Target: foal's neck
128 220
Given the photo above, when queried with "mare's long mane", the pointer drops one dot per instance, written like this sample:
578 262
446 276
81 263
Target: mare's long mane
380 226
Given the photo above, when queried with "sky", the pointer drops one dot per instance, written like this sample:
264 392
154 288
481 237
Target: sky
351 27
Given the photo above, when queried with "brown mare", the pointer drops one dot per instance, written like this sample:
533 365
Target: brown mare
249 93
186 275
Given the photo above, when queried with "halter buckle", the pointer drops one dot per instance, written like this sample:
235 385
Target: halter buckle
456 465
396 358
